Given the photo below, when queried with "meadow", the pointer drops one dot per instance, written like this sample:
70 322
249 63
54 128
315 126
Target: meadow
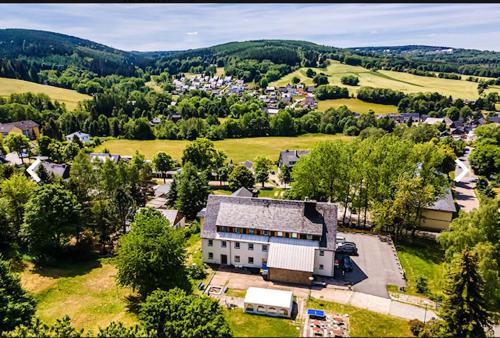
237 150
67 96
357 106
407 83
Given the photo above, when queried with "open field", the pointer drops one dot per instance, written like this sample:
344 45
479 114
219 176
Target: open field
67 96
236 149
249 325
87 292
423 259
365 323
404 82
357 106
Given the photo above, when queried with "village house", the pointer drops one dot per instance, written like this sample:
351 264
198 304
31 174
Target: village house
84 138
290 157
28 128
291 240
104 157
438 216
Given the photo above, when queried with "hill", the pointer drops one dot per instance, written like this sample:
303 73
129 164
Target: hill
67 96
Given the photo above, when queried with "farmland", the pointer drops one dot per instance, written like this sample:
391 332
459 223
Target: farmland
237 150
407 83
357 106
67 96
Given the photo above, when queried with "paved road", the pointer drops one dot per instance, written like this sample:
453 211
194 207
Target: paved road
375 267
464 190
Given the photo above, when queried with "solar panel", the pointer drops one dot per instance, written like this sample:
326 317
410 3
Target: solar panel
316 313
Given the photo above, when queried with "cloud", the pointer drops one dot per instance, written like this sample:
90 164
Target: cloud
177 26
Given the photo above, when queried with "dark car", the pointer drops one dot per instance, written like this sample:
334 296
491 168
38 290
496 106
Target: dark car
348 248
347 264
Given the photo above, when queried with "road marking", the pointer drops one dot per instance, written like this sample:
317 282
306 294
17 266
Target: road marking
464 172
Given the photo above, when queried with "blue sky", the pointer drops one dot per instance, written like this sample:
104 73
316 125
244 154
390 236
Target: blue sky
148 27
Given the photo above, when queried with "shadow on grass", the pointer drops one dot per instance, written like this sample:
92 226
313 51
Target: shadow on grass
425 249
67 268
133 303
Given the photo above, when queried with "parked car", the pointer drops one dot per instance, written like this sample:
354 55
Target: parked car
348 248
340 239
347 264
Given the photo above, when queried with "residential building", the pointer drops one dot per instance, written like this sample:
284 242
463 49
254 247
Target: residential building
28 128
104 157
290 157
84 138
293 240
438 216
242 192
175 217
55 169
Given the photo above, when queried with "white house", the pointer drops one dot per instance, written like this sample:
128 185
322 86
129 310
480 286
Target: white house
84 138
294 240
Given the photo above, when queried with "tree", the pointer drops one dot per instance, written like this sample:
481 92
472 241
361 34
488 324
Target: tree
241 176
36 328
163 162
16 305
285 175
17 143
350 80
201 153
175 314
16 192
151 256
485 159
51 219
192 191
263 167
310 73
464 307
295 80
320 79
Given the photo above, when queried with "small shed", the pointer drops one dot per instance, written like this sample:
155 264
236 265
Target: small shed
269 302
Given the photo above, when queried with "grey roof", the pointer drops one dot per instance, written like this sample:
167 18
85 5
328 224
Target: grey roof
162 189
248 164
291 156
242 192
59 170
291 257
104 156
274 215
445 203
23 125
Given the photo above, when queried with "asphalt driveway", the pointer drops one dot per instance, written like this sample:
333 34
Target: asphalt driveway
375 266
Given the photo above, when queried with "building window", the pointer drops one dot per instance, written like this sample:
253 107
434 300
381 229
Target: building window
210 255
294 235
321 252
250 260
264 261
265 232
250 246
236 230
309 237
279 234
264 247
237 259
210 242
251 231
321 267
236 245
223 244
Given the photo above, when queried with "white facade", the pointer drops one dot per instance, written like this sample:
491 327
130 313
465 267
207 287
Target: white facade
85 138
269 302
252 251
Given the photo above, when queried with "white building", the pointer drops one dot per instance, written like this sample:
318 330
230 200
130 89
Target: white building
294 240
84 138
269 302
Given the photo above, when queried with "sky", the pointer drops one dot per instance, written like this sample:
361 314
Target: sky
154 27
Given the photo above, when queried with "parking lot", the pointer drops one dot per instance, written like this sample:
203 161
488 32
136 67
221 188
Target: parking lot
375 266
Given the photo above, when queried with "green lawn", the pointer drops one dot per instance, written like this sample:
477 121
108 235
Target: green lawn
276 193
249 325
404 82
67 96
87 292
193 250
357 106
365 323
237 149
236 293
423 258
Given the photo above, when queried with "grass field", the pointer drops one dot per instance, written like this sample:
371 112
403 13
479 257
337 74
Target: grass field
247 325
87 292
365 323
236 149
405 82
67 96
422 259
357 106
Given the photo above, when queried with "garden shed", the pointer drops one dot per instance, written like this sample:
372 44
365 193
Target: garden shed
269 302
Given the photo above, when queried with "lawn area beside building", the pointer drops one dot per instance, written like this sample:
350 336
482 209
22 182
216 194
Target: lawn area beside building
238 150
249 325
422 258
85 291
365 323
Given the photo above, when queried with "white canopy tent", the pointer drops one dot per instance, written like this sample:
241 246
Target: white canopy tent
269 302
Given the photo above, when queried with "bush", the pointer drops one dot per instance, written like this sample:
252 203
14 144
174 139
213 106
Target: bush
422 285
350 80
196 271
416 326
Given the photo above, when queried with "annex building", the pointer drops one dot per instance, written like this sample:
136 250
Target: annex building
295 240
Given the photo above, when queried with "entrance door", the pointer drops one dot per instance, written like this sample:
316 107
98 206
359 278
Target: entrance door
223 259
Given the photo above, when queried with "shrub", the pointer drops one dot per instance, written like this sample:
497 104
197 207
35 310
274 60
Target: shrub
416 327
422 285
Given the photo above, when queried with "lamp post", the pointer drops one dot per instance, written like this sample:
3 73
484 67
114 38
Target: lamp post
425 309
